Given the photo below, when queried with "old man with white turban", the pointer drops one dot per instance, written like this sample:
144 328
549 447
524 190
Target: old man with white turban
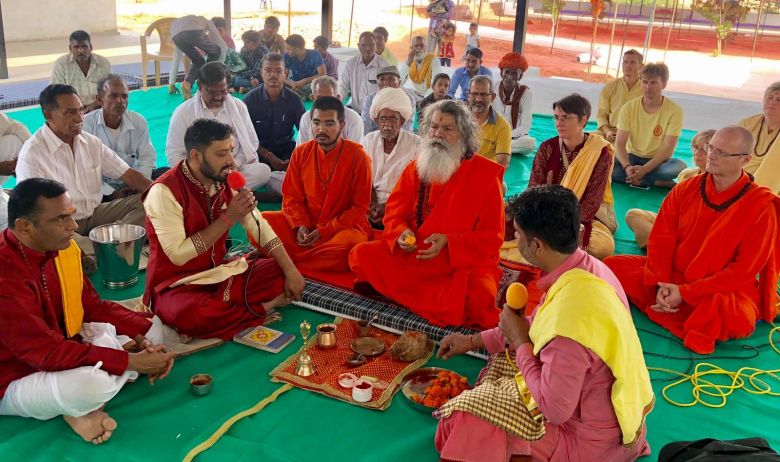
391 149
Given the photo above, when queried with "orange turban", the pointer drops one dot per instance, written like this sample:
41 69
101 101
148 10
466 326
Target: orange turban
513 61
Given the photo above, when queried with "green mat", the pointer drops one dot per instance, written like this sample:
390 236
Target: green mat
163 422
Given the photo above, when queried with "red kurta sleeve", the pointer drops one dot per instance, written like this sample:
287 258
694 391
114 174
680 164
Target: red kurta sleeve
401 206
750 258
594 192
361 197
663 238
126 322
293 190
539 167
480 246
30 339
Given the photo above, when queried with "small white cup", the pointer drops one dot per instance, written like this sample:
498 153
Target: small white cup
362 391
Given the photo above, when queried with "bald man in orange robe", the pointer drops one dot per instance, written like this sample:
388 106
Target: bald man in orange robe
326 195
712 262
444 225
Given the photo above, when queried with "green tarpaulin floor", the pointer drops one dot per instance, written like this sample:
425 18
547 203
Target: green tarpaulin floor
163 422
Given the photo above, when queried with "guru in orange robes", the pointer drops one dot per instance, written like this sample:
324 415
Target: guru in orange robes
329 192
725 259
458 287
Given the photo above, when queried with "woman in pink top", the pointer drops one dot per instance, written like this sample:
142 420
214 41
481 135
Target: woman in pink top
570 383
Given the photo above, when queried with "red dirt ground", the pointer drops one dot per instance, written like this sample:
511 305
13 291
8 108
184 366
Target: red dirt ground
562 63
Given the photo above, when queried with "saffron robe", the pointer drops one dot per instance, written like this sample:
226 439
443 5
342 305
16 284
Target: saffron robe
33 336
458 287
714 257
330 192
195 289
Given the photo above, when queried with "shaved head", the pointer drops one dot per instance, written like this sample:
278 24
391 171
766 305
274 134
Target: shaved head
741 138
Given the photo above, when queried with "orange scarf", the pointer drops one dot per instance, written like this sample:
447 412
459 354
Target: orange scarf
514 101
69 272
423 72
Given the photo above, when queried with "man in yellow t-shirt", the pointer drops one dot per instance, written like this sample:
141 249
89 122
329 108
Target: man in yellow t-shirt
617 93
495 132
648 130
765 127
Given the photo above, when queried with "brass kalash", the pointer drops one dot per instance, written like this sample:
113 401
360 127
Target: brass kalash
305 364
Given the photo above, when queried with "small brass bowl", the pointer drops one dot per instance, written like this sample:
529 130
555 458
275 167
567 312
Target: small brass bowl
356 360
201 384
326 336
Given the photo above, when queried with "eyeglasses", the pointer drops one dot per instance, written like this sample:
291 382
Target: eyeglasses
564 118
388 119
720 153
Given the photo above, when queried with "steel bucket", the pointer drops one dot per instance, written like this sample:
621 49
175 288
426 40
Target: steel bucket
118 251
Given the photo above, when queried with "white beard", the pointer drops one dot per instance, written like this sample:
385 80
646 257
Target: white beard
437 164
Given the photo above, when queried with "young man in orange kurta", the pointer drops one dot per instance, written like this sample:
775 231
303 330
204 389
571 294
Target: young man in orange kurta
326 195
713 256
444 225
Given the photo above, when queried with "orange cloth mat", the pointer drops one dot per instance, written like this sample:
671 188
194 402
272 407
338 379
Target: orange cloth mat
329 364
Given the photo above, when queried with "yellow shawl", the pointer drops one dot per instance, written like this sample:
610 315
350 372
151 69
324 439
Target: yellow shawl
68 263
578 174
586 309
423 72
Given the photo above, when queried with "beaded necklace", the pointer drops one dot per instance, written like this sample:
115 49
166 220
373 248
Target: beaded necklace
726 204
758 140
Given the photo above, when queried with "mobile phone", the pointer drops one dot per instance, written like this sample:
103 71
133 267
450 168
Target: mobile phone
640 187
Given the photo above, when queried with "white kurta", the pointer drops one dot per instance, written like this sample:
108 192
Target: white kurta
80 169
386 169
522 143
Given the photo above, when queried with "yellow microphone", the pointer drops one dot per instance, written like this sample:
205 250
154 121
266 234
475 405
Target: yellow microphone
516 296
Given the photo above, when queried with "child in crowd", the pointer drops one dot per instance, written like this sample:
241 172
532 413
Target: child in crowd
439 85
447 50
472 38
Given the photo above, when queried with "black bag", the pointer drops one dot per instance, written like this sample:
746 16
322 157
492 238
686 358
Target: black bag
712 450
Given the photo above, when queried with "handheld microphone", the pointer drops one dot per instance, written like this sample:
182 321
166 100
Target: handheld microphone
236 180
516 296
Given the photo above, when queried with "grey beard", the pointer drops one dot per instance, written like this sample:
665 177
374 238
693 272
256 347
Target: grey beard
437 164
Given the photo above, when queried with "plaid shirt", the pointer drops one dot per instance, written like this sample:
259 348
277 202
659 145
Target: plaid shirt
66 70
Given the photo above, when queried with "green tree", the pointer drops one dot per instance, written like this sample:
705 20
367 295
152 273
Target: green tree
722 14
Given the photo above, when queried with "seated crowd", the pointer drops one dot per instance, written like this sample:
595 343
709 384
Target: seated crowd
417 216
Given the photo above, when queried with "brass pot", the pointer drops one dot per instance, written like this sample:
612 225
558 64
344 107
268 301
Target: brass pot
326 336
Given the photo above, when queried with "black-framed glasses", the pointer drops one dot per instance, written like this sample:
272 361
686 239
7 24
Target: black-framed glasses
721 153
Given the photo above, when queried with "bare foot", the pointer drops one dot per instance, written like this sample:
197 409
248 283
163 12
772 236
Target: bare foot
186 90
280 300
95 427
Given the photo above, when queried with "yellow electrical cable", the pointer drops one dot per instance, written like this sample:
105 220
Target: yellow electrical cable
229 423
745 378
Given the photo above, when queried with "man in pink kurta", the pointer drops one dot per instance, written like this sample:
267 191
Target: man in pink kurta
570 383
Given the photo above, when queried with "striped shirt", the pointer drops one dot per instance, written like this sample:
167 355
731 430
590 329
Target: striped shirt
81 170
66 70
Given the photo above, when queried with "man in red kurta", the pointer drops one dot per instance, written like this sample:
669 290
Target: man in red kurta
326 195
190 283
444 225
63 350
712 262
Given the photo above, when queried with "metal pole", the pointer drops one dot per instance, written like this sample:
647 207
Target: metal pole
411 25
227 14
755 33
625 34
611 40
326 28
289 17
521 16
351 14
479 13
649 32
3 57
671 26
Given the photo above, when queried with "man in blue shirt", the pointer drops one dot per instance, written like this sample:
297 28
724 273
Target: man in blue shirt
304 66
274 111
462 76
123 131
